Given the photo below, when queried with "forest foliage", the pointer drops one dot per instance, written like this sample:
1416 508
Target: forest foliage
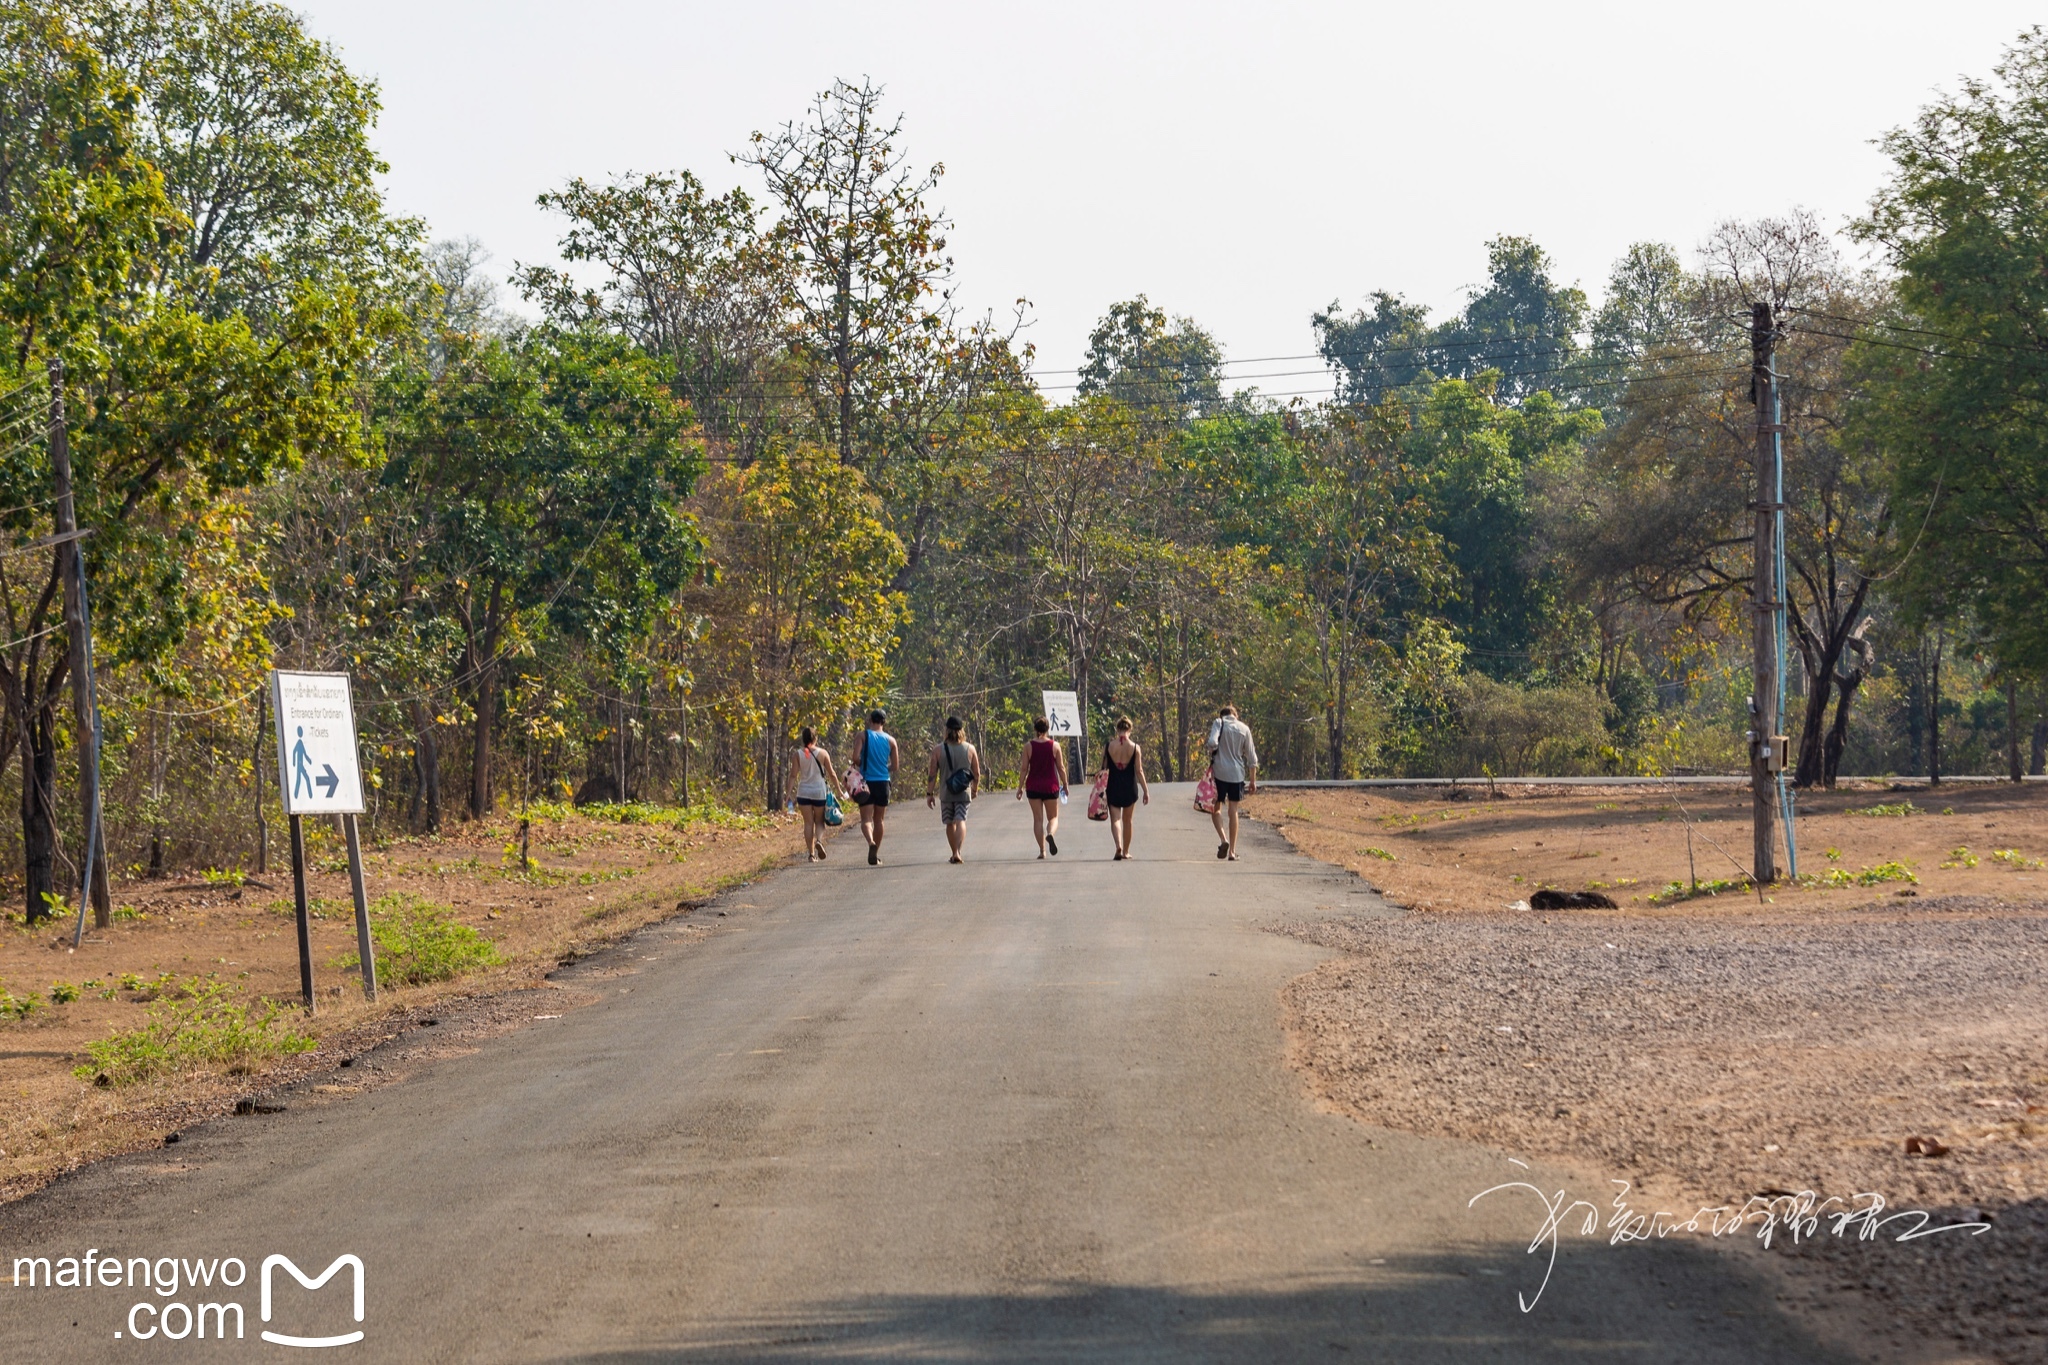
614 526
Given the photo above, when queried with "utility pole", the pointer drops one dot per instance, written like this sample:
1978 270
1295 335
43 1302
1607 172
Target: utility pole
84 711
1766 745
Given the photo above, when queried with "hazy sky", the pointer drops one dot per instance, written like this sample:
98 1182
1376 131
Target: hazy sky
1242 164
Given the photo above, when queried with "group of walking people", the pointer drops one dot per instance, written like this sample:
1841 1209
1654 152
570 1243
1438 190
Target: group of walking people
954 775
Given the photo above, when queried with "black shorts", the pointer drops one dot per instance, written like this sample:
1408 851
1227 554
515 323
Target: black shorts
1228 791
806 801
878 793
1115 804
1041 796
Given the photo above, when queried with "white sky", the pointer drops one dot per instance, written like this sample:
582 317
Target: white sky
1242 164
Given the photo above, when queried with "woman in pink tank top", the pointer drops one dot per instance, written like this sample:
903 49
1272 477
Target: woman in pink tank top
1045 780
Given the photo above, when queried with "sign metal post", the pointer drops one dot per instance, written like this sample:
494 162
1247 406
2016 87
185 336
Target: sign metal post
318 773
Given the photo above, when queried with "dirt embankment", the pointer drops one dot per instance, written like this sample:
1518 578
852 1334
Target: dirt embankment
1715 1049
593 880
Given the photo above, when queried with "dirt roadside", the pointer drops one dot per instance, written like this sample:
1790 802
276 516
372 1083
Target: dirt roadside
593 880
1717 1049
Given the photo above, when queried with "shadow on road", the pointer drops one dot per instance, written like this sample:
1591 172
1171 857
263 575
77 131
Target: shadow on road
1453 1308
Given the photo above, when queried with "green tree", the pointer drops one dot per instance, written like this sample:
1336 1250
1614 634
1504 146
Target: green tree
798 624
262 137
548 471
1374 353
1954 383
690 279
1522 325
1359 533
1165 370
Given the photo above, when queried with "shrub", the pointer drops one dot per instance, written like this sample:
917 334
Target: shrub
206 1027
1897 808
1512 731
418 941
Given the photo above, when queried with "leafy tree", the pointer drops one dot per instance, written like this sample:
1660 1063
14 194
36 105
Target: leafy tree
262 137
1358 530
1649 304
1374 353
548 470
1481 462
1521 324
1165 370
1955 379
797 627
689 278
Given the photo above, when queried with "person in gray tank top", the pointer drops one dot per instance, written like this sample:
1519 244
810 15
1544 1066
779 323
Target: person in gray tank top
952 779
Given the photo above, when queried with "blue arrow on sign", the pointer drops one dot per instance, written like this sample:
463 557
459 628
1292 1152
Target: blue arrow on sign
329 780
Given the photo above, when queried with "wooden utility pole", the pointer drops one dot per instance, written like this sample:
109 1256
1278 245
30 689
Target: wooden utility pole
84 712
1766 746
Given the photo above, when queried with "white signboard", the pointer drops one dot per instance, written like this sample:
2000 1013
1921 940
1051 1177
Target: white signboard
317 771
1063 713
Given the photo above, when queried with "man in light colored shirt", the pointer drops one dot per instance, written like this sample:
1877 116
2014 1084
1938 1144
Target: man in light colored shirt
1234 767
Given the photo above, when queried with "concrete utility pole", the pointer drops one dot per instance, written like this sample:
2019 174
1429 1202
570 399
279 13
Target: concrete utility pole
1766 745
71 568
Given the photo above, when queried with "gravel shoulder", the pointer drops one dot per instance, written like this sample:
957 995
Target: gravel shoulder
1712 1056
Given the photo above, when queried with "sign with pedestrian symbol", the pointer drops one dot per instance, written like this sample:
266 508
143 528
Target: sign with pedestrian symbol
1062 714
317 771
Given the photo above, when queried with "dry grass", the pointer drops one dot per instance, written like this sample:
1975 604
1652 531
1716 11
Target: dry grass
1631 842
596 880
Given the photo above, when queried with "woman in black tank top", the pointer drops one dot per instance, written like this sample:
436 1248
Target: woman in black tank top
1124 762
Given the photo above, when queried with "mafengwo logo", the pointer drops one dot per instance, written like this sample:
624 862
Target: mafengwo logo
353 1263
188 1299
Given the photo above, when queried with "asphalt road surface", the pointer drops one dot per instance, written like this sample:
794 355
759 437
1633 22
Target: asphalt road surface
1007 1111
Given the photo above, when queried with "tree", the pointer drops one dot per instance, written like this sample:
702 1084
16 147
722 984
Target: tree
549 469
798 623
688 278
77 210
1164 370
1373 354
868 254
262 137
1358 531
1954 378
1521 324
1482 463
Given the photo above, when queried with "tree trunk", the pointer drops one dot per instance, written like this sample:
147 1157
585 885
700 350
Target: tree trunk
2012 730
1838 732
38 818
426 751
480 750
2038 760
1165 716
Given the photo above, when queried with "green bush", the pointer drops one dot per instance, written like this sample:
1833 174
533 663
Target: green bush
207 1026
418 941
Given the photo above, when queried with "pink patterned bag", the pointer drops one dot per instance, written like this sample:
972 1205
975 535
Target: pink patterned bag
1205 793
1098 798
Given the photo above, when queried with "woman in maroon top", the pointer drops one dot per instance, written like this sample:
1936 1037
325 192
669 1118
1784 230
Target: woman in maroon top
1045 781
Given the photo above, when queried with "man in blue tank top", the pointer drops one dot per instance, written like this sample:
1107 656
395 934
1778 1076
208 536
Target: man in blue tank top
874 758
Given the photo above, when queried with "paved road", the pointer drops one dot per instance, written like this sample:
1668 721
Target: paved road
1001 1112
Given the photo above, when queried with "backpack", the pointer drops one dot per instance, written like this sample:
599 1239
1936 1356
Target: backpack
958 780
